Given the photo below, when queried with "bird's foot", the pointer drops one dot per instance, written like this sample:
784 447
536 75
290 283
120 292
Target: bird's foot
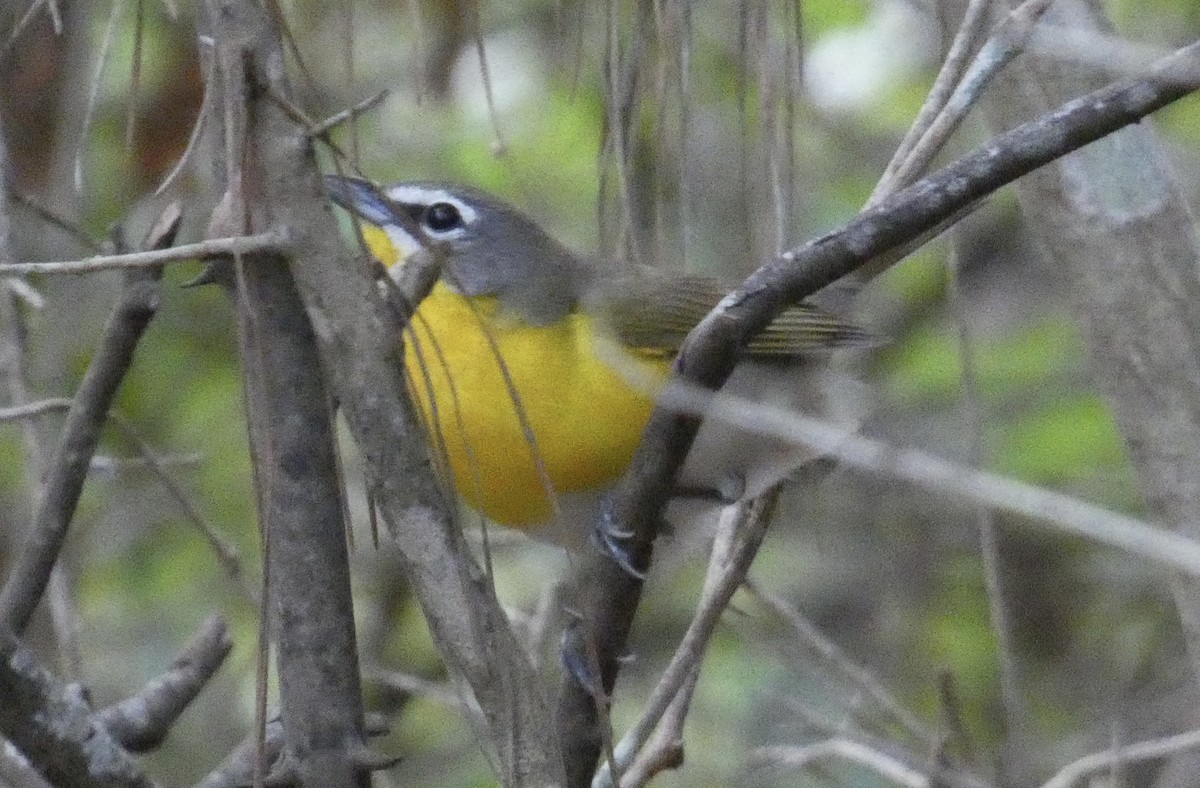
614 542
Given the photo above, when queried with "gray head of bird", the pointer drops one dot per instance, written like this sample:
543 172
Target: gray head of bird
491 249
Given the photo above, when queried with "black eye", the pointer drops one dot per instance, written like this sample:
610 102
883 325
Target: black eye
442 216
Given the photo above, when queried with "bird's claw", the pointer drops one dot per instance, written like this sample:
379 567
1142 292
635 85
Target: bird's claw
575 660
611 541
578 663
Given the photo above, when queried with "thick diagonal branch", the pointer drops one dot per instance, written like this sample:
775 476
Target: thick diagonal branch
714 347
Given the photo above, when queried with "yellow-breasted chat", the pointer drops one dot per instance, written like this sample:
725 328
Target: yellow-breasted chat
536 369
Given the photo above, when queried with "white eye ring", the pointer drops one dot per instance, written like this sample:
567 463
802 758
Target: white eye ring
422 195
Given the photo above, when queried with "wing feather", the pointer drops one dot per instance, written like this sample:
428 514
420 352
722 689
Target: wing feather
653 313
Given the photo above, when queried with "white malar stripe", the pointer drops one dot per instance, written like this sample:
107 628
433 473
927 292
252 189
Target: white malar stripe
405 244
419 195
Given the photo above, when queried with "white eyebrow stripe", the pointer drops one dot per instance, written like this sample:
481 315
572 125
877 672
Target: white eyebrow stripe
420 195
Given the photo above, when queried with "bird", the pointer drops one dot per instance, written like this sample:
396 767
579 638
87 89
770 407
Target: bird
535 369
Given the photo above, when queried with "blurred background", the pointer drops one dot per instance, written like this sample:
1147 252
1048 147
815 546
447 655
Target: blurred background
787 115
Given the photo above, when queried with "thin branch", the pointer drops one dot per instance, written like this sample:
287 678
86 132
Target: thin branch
52 725
333 121
271 241
285 392
989 545
1005 43
35 408
297 114
948 76
474 11
664 750
141 722
64 478
19 28
243 762
359 342
135 74
25 292
1074 772
62 599
952 730
239 767
1063 512
197 130
953 775
799 757
440 692
63 614
736 544
226 552
865 682
46 214
817 724
16 771
89 111
1095 48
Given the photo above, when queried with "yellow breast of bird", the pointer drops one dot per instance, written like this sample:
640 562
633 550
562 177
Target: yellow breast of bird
485 381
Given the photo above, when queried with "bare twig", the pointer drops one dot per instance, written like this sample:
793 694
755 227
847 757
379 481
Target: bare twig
30 13
1073 773
953 774
135 74
23 291
948 76
16 771
226 552
438 691
63 615
736 544
141 722
89 111
499 146
1005 43
664 749
952 730
1129 256
238 768
197 130
807 633
241 765
51 724
1062 512
799 757
64 479
333 121
1104 51
989 545
102 463
261 243
71 228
